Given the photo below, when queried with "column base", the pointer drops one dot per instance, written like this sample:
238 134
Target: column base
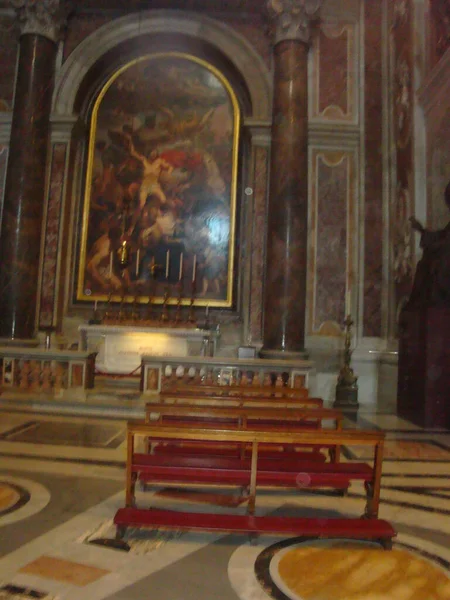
16 343
283 354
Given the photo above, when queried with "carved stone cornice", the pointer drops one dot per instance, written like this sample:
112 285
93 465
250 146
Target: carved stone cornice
41 17
292 18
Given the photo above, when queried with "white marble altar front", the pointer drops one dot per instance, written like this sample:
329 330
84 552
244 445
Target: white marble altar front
119 348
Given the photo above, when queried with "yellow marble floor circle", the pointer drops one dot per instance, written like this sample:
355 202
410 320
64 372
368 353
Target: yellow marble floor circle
9 496
354 573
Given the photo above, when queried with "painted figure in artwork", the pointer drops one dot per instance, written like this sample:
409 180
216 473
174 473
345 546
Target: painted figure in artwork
432 279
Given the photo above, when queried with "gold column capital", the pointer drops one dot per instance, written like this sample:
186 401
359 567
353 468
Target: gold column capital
41 17
292 18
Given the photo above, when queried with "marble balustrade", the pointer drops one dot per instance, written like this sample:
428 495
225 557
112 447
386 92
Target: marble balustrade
45 371
160 372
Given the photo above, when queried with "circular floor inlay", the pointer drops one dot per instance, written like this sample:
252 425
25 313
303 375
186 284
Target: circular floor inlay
12 497
20 498
351 572
8 496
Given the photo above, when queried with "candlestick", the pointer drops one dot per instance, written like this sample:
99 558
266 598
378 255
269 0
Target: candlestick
110 263
180 274
167 263
152 267
137 262
194 267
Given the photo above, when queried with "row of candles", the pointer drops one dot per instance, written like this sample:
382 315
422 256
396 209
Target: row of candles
180 273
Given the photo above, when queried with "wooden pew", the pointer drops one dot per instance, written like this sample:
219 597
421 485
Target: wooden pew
238 400
243 418
237 390
254 473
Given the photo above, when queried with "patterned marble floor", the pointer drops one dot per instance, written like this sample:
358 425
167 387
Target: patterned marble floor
62 479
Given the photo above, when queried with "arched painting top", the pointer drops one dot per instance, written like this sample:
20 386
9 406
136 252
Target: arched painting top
223 38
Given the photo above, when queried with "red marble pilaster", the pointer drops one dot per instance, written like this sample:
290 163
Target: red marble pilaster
332 239
373 208
51 235
258 239
401 17
25 187
3 162
285 289
8 58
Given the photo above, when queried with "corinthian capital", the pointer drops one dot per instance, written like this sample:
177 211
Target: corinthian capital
41 17
292 18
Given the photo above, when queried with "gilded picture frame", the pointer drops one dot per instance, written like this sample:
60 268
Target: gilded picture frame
159 210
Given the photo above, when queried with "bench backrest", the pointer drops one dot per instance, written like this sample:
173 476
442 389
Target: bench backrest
237 390
243 416
238 400
220 433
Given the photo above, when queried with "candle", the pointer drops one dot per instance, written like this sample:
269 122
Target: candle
110 263
180 274
167 263
137 262
194 266
95 305
347 303
207 310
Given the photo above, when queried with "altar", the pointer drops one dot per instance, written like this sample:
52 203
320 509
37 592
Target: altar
119 348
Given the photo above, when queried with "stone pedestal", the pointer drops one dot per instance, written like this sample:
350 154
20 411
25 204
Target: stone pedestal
424 366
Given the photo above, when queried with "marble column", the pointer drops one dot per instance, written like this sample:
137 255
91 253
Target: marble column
20 237
285 284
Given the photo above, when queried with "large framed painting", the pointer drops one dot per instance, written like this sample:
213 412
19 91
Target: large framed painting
159 208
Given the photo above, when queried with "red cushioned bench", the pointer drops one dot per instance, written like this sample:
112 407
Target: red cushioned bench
254 473
376 530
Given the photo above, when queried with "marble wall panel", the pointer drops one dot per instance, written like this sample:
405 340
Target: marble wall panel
3 165
401 41
8 56
439 175
251 27
373 193
333 93
254 31
52 233
80 27
438 30
332 240
258 243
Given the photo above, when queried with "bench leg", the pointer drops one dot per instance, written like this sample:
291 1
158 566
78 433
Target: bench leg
253 471
368 512
120 532
253 538
130 476
386 543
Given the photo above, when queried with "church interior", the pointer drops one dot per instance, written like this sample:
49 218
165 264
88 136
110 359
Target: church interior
225 299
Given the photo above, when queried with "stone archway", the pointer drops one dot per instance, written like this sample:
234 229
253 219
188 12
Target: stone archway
69 129
223 38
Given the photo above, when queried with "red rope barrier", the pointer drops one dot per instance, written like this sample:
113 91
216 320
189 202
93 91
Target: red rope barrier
117 375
